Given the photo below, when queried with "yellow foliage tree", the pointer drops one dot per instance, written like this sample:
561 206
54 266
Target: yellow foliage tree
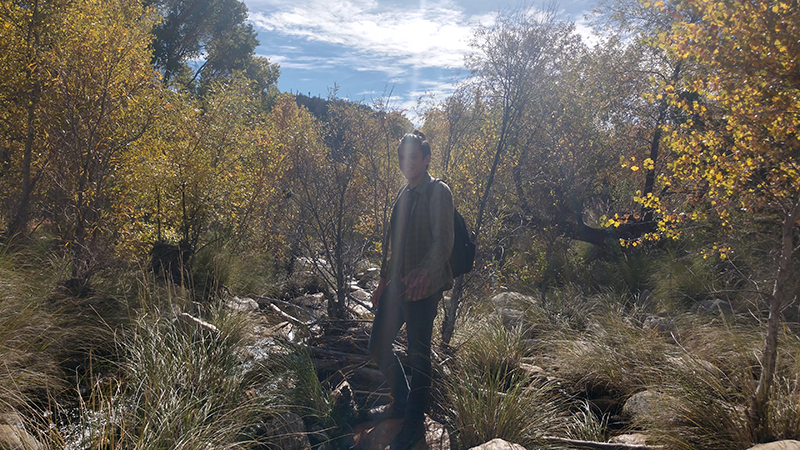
738 149
192 181
104 93
286 131
28 33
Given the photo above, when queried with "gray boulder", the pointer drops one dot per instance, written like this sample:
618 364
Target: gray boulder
361 295
650 406
658 323
509 307
369 277
509 317
513 300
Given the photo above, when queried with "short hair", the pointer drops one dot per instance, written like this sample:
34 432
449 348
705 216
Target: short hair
416 138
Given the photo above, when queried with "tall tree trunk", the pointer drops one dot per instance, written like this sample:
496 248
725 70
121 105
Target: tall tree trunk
448 326
498 156
655 143
19 220
760 404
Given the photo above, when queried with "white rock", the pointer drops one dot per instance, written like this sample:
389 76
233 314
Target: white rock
361 295
512 300
778 445
630 439
498 444
242 304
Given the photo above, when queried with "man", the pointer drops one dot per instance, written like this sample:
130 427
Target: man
415 271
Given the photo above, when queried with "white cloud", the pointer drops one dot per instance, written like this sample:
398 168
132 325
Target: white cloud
406 43
436 35
584 28
306 62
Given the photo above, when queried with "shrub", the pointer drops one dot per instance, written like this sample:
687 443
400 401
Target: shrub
585 425
492 347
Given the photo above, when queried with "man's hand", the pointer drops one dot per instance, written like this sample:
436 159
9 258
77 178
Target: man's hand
376 295
416 283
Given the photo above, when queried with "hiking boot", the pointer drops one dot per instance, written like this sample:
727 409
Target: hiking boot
385 412
410 433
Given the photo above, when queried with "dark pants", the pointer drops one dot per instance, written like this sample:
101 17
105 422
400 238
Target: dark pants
418 317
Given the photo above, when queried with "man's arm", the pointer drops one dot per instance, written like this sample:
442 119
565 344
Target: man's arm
376 295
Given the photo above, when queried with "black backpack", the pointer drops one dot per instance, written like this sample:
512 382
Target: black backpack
462 259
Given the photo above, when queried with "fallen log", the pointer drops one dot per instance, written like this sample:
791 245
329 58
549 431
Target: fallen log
272 301
285 315
324 352
329 365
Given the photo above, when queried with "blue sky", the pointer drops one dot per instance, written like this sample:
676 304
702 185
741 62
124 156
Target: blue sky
396 49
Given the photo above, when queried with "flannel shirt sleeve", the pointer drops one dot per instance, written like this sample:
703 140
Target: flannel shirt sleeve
386 245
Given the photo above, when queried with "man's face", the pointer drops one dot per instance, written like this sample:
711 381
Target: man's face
412 163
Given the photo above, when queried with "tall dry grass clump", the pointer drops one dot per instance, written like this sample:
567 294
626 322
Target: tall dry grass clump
613 358
178 384
569 311
713 383
292 372
28 335
119 366
489 395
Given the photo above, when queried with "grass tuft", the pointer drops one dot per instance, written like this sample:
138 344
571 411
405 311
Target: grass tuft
489 404
488 395
713 383
615 358
178 387
29 372
585 425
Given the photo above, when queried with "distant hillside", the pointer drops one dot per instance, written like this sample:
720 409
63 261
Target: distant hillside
318 106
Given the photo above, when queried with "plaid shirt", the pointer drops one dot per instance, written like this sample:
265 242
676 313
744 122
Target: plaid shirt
427 213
